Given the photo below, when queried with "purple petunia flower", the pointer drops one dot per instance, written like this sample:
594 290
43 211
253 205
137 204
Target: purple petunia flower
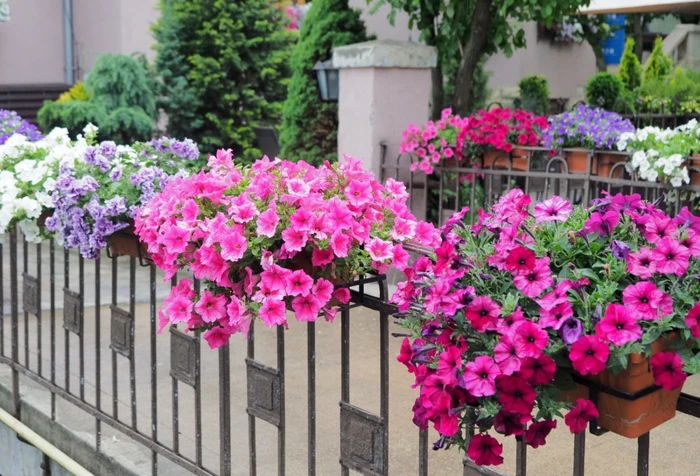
571 330
620 250
585 127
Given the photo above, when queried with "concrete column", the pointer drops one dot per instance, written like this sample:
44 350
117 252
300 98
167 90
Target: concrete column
384 86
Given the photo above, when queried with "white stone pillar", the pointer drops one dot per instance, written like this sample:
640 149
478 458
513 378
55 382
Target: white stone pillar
384 86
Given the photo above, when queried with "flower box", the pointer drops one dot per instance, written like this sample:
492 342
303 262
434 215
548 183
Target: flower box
629 404
517 159
126 243
577 159
605 164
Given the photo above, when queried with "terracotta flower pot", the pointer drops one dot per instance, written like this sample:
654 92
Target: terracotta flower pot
125 242
577 160
693 165
603 163
499 159
631 418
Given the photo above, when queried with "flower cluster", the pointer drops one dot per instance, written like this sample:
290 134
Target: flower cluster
660 154
28 173
434 142
273 235
11 123
506 303
585 127
501 129
101 194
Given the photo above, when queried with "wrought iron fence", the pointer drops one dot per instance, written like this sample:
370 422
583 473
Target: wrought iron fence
199 411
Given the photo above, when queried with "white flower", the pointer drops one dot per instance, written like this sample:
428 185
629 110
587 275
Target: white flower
652 175
58 135
50 184
637 158
31 207
30 230
652 153
25 170
676 181
44 199
90 131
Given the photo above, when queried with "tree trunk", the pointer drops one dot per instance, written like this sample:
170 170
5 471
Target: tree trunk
638 39
600 63
471 55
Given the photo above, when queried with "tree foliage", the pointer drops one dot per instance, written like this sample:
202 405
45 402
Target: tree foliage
630 71
223 68
534 93
477 28
659 65
310 126
117 97
603 90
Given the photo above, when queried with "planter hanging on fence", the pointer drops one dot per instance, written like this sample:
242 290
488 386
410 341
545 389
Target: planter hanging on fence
577 160
604 164
641 405
499 159
126 243
45 215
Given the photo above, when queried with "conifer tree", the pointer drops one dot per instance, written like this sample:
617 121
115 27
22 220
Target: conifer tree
630 68
223 68
659 65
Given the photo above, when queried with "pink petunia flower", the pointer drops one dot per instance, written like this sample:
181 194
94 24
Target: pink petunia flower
554 209
671 257
658 228
533 282
692 320
691 240
577 419
340 243
516 395
358 192
529 339
273 312
618 327
603 224
643 300
555 316
379 250
267 222
506 357
485 450
294 239
233 246
211 308
298 283
176 239
482 313
217 337
449 363
520 260
641 263
479 377
537 433
306 308
275 278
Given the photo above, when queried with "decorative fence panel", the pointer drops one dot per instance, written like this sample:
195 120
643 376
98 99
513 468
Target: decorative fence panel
280 402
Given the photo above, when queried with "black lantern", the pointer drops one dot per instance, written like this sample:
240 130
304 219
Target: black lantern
328 79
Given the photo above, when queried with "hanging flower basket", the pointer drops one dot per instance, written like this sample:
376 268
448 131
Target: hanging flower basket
126 243
629 404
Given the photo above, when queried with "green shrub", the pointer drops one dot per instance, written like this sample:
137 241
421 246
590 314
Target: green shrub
223 68
310 126
117 98
659 65
630 68
603 90
534 94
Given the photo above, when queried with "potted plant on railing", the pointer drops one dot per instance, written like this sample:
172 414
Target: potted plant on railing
28 171
586 132
498 134
511 312
436 143
97 198
272 236
663 155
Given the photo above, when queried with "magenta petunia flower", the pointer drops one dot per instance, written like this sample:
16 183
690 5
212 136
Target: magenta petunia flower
539 371
379 250
176 238
667 368
479 377
179 309
643 300
589 355
692 320
658 228
671 257
267 222
577 419
450 361
537 433
233 246
556 297
485 450
641 263
691 240
507 423
358 192
217 337
483 313
618 327
294 239
520 260
554 209
516 395
603 224
340 243
529 339
534 282
275 278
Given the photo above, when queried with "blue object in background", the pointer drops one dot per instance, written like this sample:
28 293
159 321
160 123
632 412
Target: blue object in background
613 46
